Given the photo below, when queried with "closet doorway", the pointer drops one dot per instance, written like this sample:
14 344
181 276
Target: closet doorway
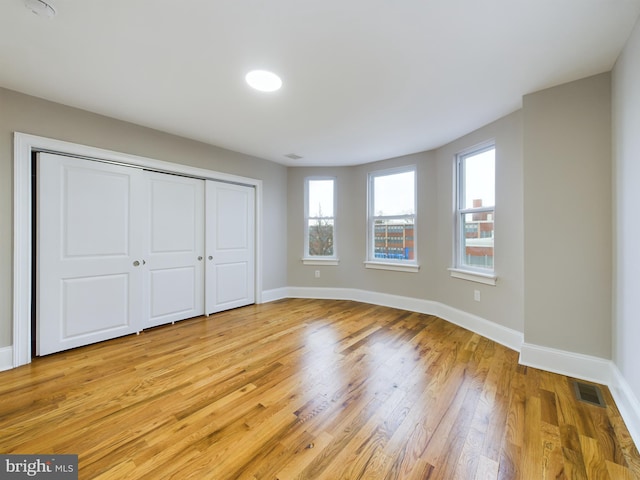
151 212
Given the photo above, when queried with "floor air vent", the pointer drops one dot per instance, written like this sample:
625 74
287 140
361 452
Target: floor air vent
589 393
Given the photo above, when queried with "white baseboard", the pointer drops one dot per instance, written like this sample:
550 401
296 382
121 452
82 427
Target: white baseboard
508 337
628 404
275 294
505 336
576 365
6 358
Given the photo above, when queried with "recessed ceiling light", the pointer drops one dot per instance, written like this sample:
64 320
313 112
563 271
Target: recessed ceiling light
40 8
263 80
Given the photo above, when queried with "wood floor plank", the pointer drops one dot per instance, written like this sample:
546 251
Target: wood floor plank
619 472
310 389
594 459
552 456
533 446
487 469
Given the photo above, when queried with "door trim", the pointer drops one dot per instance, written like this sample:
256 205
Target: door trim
23 146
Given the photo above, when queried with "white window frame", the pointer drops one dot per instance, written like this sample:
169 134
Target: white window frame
460 269
391 264
319 259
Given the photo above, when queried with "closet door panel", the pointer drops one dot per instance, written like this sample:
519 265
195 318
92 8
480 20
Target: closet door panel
233 283
230 236
175 239
88 288
106 311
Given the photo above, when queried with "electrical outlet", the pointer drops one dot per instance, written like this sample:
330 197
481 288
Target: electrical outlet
317 273
476 295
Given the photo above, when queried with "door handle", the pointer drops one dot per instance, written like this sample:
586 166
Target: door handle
200 258
210 257
136 263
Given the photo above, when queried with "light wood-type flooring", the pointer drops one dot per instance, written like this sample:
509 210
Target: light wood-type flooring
310 389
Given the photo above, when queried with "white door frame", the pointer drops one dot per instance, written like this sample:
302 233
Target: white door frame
23 146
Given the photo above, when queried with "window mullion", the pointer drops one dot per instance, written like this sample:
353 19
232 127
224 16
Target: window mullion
477 210
393 217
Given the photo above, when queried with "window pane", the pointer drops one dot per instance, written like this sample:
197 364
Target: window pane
477 244
479 180
320 237
394 194
320 198
394 239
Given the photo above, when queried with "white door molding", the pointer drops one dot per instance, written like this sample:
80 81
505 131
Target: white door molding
24 145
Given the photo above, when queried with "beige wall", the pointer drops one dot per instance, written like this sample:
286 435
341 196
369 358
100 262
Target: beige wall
553 184
351 231
567 212
502 304
35 116
626 155
553 223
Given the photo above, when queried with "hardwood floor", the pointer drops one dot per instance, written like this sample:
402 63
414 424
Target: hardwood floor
306 389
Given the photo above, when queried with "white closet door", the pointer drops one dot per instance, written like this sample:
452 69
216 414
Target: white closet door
230 239
175 257
89 288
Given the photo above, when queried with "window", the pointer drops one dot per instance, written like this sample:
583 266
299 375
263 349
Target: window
392 219
319 234
475 211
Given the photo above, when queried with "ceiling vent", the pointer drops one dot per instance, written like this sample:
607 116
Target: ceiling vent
588 393
293 156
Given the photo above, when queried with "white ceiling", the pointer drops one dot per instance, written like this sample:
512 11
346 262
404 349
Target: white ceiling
363 80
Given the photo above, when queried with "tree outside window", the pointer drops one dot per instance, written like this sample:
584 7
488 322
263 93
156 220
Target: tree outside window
320 217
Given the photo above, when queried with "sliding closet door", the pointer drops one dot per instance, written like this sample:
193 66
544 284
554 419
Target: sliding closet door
230 245
120 249
89 253
175 238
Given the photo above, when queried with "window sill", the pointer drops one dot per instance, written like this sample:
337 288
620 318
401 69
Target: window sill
486 278
398 267
320 261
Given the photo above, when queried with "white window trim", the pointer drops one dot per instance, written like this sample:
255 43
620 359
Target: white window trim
486 276
307 259
391 264
413 268
320 261
474 276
